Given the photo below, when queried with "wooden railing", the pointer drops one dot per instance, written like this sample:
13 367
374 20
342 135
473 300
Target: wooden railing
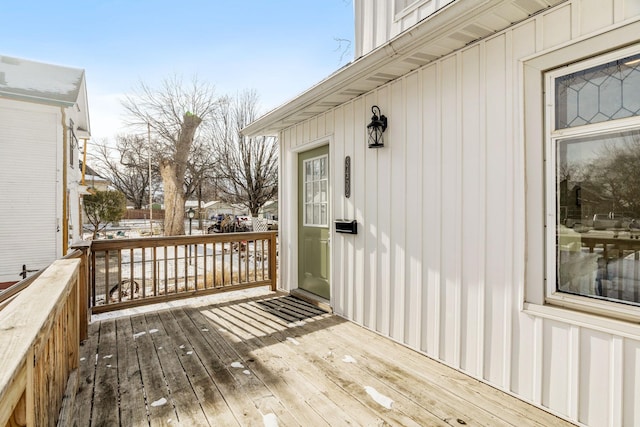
43 320
40 332
132 272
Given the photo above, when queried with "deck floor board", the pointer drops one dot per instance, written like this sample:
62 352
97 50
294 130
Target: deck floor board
274 360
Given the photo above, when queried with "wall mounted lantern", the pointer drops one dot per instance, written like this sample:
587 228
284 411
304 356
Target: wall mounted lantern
376 128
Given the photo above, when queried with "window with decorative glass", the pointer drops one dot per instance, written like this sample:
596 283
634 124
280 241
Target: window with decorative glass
593 184
316 192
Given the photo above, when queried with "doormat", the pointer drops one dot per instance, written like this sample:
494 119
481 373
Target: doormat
290 308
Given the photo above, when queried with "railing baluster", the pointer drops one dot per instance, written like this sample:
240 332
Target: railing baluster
246 262
106 277
144 272
262 257
175 269
215 265
120 285
224 269
204 264
93 279
131 275
166 268
195 266
154 278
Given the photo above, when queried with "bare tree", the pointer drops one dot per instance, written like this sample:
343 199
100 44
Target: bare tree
173 112
126 166
247 167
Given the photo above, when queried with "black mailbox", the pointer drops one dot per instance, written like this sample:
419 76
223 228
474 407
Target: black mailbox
345 226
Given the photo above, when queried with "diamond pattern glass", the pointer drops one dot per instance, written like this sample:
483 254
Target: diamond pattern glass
598 94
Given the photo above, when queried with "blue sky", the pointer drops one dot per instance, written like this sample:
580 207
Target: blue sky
278 47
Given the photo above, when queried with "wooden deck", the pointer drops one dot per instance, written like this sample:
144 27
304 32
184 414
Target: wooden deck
273 360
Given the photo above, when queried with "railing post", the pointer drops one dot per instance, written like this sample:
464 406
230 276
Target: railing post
273 261
84 312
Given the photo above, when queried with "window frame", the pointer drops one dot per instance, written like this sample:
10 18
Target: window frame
552 296
304 192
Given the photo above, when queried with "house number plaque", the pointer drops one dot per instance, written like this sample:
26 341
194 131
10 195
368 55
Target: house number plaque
347 177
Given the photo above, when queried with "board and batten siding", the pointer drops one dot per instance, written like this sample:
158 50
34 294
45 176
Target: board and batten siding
378 21
29 187
440 256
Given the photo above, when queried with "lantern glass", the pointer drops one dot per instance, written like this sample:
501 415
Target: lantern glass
376 138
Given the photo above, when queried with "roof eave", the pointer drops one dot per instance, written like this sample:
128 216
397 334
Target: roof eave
349 79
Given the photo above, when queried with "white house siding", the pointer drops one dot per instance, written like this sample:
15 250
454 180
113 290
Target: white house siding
387 22
440 256
28 218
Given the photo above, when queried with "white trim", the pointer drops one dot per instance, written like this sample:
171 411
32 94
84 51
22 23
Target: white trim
532 69
585 320
291 156
553 296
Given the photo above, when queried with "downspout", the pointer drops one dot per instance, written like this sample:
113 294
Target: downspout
81 198
65 220
84 159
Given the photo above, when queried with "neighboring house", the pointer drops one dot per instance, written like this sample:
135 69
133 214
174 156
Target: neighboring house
459 251
269 210
218 207
44 118
91 179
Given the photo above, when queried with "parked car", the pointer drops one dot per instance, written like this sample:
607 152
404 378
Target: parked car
244 220
611 221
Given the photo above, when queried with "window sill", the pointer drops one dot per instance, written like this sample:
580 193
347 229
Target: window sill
566 313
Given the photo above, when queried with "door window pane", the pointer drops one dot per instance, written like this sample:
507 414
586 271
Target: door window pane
316 192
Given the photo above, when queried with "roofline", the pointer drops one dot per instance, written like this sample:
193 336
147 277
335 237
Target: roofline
429 28
36 99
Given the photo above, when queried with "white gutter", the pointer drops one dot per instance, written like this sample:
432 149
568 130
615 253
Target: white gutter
431 28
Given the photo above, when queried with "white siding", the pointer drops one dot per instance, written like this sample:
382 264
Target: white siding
29 187
440 259
377 21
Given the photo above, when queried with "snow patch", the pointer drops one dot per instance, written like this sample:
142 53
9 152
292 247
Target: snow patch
159 402
189 352
237 365
138 335
270 420
205 330
379 398
153 331
349 359
108 366
108 356
182 346
82 359
246 372
293 341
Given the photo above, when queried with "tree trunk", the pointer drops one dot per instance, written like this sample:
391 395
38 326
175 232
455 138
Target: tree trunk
172 172
173 199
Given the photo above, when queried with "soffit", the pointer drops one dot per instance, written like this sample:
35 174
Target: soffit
449 29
